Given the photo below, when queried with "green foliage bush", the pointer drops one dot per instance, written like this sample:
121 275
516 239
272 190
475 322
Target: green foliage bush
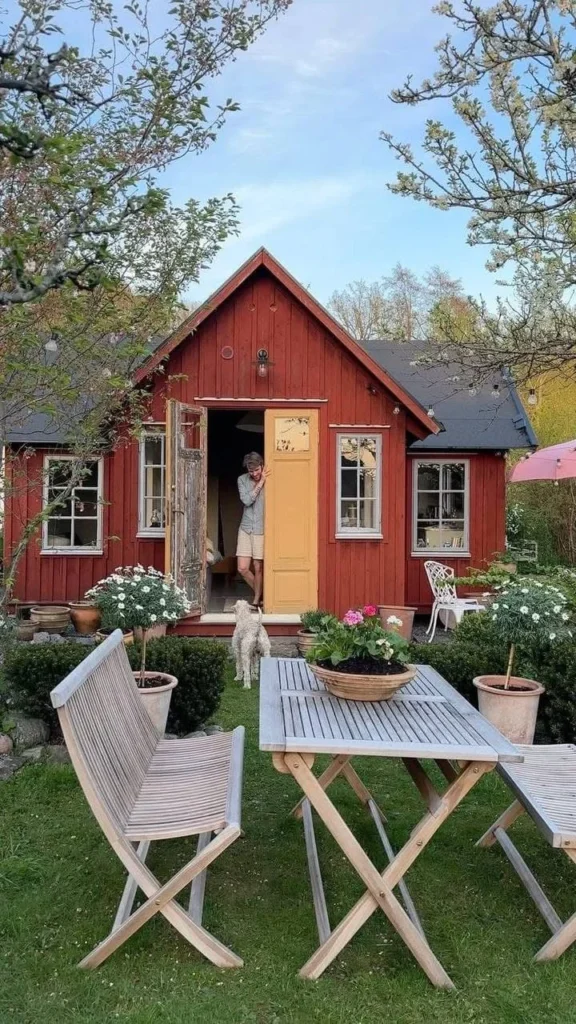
31 671
477 649
198 665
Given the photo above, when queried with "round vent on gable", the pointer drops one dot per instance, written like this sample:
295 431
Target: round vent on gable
227 352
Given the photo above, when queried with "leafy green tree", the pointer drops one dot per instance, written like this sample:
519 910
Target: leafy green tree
508 71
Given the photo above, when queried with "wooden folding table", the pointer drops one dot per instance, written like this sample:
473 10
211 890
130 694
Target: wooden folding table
426 720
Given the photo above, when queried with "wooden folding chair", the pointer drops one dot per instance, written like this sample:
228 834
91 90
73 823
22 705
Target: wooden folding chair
142 787
545 787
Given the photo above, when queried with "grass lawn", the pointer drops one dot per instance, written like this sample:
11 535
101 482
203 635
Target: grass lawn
60 883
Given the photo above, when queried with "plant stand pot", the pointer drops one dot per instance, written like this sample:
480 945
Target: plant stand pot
152 632
356 687
127 633
513 711
157 699
305 641
85 617
50 618
400 612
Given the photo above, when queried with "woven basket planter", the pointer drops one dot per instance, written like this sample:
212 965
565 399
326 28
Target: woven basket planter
353 687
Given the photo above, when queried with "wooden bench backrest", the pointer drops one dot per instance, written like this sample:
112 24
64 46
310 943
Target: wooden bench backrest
107 729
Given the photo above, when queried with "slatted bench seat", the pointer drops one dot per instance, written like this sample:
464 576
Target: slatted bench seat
545 787
142 787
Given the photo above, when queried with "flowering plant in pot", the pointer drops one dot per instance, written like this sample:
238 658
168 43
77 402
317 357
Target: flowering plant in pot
357 659
524 613
311 622
143 598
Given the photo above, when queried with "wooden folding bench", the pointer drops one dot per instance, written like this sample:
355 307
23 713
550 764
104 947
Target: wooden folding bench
142 787
545 787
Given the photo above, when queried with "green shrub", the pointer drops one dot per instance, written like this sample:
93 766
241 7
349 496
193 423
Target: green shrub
311 621
476 649
198 664
31 671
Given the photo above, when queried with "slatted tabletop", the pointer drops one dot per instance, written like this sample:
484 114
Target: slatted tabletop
427 718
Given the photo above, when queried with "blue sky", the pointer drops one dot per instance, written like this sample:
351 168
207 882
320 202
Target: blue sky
304 158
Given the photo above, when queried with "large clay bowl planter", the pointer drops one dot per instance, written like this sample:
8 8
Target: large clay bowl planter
353 687
152 632
399 612
157 698
128 636
50 618
305 641
512 711
85 617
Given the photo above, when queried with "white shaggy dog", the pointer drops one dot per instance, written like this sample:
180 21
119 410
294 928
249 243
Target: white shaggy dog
249 642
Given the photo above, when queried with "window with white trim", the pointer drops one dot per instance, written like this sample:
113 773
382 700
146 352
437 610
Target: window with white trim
440 504
75 525
359 473
152 484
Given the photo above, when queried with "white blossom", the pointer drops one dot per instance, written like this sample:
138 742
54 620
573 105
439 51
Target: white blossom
524 610
552 636
535 617
153 618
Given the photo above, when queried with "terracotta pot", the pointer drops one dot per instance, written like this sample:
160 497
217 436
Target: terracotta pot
157 698
400 612
50 618
305 641
512 711
128 636
85 617
152 632
356 687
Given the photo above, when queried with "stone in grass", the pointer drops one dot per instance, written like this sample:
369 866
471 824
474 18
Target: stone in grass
211 729
56 753
32 755
196 734
9 765
6 744
28 732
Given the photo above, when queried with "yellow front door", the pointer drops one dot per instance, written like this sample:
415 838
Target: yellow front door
291 518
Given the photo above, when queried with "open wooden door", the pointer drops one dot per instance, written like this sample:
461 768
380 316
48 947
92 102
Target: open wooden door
291 516
185 551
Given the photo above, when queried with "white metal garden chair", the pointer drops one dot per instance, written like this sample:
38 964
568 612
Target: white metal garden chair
441 580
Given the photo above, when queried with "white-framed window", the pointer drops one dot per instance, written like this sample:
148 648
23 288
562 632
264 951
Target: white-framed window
152 484
441 506
359 476
75 526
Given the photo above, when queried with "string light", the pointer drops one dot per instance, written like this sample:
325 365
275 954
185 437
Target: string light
495 391
532 397
471 389
396 410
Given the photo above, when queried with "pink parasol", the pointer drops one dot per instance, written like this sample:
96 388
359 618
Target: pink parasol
558 462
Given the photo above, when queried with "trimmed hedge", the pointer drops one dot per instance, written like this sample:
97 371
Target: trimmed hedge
476 650
31 671
198 665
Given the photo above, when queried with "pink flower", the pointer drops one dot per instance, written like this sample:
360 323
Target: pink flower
353 618
370 610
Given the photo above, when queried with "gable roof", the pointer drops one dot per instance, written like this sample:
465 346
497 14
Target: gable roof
262 258
471 421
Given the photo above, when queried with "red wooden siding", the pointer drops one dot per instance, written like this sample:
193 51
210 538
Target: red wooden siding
487 523
308 363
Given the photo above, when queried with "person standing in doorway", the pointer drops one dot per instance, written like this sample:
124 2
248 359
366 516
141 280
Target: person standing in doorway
250 547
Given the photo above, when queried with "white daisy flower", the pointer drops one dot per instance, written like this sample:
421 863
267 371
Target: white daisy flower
145 590
565 616
153 618
495 606
557 608
552 636
524 610
535 617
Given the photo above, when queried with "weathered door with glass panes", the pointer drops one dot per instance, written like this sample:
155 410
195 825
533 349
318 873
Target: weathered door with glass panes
186 499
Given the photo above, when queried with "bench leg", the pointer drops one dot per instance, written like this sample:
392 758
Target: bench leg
198 886
510 815
565 935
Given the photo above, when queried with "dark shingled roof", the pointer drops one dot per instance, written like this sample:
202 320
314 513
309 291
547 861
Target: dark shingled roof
479 421
470 422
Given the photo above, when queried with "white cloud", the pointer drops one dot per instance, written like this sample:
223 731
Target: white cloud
266 207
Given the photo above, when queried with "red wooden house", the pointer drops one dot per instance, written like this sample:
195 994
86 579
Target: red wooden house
377 464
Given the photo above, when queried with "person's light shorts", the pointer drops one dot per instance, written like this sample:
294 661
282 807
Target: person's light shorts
250 545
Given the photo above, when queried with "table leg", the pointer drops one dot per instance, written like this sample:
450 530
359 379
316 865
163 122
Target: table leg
380 886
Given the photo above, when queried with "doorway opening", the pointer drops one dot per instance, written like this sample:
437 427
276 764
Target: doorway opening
231 435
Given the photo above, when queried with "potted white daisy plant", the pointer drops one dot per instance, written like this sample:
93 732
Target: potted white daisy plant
146 601
523 613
